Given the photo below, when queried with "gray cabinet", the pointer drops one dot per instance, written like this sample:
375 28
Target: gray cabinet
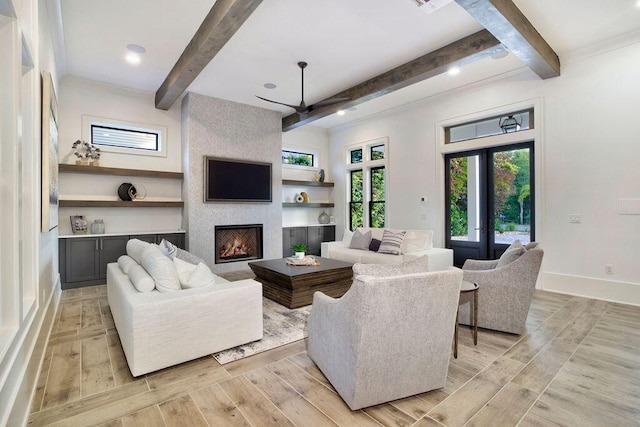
83 260
291 236
311 236
318 234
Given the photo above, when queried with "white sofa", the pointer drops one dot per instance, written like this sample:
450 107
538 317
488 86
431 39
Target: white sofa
417 243
162 329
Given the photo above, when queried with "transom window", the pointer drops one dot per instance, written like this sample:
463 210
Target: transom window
298 158
117 136
506 123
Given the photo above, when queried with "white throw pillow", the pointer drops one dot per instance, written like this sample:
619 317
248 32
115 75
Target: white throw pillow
346 238
141 279
184 269
125 262
161 269
415 241
200 277
168 248
135 248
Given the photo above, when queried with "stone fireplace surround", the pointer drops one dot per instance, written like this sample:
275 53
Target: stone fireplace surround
221 128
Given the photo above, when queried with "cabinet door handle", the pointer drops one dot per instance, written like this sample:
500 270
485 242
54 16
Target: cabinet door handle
97 248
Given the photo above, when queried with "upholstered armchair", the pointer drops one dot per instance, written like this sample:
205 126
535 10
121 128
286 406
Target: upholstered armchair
388 337
504 293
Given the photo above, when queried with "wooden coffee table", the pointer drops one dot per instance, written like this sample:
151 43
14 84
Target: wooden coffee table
293 286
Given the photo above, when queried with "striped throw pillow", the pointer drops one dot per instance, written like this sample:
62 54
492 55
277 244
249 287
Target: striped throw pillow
391 242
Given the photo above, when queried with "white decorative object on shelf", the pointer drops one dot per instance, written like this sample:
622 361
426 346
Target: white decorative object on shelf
298 198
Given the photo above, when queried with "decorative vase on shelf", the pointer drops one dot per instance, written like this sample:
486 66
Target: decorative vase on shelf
323 218
298 198
97 227
321 177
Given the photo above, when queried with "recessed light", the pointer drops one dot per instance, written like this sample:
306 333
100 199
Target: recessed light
133 58
270 85
136 48
454 71
341 112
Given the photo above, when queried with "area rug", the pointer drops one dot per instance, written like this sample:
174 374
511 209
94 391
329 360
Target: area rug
282 326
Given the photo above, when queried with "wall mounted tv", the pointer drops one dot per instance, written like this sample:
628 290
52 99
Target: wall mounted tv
236 181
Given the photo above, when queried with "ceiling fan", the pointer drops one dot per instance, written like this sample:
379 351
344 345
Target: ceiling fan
303 108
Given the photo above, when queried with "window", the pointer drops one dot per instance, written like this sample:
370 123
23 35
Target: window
377 203
496 125
107 136
367 182
356 207
117 136
298 158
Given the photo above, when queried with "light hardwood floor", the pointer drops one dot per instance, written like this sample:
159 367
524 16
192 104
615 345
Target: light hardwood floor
577 365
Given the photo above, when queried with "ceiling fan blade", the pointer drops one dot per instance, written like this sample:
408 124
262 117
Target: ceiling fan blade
328 102
296 107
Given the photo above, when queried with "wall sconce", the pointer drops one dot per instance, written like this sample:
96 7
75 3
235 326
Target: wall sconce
509 124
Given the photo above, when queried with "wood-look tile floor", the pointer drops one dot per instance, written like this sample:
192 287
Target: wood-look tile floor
576 365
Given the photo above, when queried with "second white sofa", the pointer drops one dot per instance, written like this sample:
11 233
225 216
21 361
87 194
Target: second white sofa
417 243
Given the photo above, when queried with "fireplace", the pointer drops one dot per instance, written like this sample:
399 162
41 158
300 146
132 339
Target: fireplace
235 243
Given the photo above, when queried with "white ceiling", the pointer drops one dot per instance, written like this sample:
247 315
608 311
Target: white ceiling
344 42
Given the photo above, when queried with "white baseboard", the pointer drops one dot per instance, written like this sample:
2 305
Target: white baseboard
607 290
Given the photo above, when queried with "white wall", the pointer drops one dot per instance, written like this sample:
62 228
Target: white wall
589 159
80 97
314 140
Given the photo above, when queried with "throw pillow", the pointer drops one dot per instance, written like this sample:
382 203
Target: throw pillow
125 262
168 248
200 277
161 268
416 241
188 257
510 255
360 240
531 245
374 245
391 242
141 279
135 248
346 238
184 269
418 265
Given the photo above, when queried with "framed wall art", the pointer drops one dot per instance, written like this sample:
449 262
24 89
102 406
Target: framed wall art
49 154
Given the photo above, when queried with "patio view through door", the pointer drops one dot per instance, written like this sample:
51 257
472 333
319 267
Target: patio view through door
489 200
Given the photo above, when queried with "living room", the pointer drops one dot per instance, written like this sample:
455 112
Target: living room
585 164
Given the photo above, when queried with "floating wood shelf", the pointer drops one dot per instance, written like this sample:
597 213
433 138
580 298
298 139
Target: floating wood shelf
307 183
117 204
99 170
307 205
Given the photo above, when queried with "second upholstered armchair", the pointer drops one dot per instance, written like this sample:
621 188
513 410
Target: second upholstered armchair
388 337
505 288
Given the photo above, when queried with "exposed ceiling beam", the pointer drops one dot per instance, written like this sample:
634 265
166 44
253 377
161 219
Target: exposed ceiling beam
221 23
505 21
459 53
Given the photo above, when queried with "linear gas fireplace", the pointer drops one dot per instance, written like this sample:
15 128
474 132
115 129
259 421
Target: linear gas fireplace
238 243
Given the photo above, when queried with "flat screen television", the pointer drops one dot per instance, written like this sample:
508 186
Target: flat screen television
236 181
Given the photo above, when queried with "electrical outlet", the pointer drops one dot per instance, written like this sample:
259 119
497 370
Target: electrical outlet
575 218
608 268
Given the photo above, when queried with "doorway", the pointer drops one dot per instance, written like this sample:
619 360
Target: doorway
489 200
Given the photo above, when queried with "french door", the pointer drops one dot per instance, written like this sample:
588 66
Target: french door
489 200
